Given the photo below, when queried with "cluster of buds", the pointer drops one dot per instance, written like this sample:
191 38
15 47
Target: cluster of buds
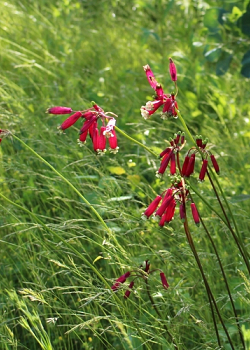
169 154
3 133
189 162
143 273
90 126
163 206
161 99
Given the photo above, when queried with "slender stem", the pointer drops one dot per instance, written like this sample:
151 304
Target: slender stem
240 246
224 277
209 292
159 314
237 239
135 141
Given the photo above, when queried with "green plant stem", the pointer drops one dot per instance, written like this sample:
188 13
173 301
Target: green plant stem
91 266
224 277
135 141
209 292
159 314
236 237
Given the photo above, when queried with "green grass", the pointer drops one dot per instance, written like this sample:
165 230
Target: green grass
58 260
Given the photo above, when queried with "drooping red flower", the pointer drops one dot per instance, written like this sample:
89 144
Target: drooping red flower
90 126
215 164
164 280
152 207
120 280
59 110
139 273
169 154
172 70
167 100
195 214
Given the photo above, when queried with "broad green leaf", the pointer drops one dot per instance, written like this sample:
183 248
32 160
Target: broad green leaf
213 54
245 70
223 63
246 58
244 23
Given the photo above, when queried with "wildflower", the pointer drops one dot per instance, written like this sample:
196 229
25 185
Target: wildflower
59 110
151 208
195 214
128 291
215 164
143 272
168 155
120 280
189 162
161 99
90 126
164 212
172 70
164 280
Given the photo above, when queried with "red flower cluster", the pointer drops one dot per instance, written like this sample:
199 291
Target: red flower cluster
167 100
138 274
90 126
168 155
164 205
189 162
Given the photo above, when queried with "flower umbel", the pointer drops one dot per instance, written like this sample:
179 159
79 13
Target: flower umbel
90 126
161 99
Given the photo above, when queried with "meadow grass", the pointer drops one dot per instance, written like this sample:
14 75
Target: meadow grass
58 259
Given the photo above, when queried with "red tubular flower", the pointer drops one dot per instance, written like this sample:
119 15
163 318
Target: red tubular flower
167 150
150 76
169 108
172 164
215 164
170 211
165 203
87 124
152 207
182 138
70 120
128 291
182 212
147 266
164 163
172 70
59 110
190 166
195 214
164 280
199 142
203 170
83 135
120 280
113 143
150 108
185 165
102 140
95 139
